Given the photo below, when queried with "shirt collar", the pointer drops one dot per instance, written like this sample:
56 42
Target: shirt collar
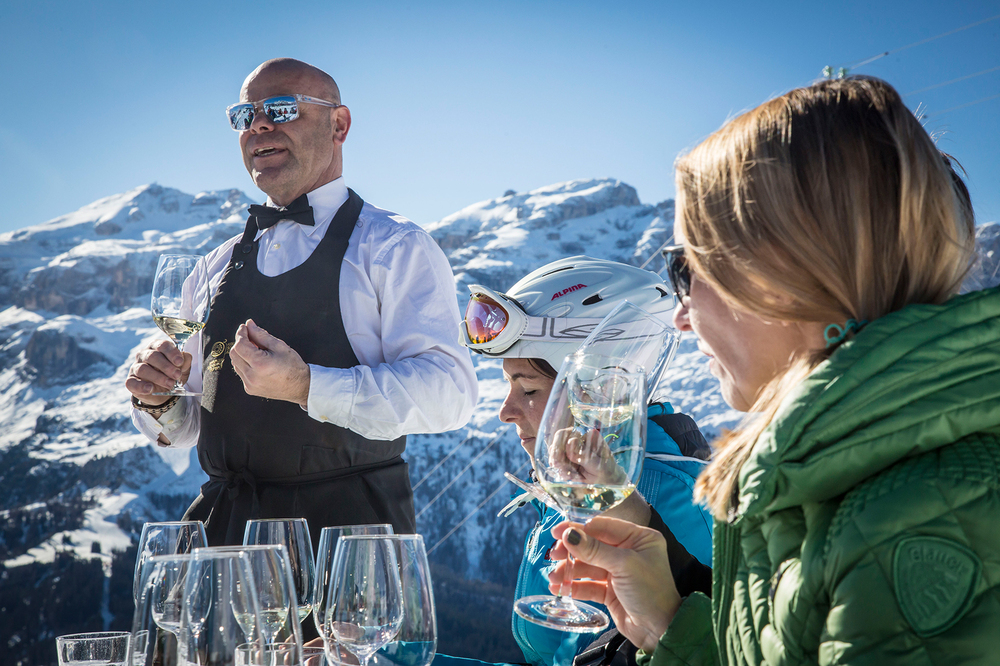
325 200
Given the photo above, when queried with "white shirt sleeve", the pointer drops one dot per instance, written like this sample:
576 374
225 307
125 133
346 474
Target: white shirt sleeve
424 380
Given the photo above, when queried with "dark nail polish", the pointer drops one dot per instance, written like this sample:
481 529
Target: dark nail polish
573 538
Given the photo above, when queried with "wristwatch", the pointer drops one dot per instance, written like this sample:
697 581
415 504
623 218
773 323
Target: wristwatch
155 410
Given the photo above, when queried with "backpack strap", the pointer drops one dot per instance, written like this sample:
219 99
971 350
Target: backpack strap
683 430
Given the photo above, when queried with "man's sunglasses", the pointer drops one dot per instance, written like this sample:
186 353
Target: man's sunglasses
678 270
280 109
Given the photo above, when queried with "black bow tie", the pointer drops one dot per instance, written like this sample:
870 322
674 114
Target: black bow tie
298 211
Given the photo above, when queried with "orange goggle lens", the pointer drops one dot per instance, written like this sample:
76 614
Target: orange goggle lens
485 319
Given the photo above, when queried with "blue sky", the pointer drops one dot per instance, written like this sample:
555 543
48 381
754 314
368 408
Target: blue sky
456 102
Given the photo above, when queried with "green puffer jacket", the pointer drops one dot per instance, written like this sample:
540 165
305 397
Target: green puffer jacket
868 527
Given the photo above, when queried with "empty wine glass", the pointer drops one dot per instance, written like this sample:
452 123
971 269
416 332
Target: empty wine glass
630 332
293 534
166 539
180 301
157 620
588 456
364 609
328 539
110 648
416 641
220 611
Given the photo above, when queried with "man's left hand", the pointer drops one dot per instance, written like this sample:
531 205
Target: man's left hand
268 367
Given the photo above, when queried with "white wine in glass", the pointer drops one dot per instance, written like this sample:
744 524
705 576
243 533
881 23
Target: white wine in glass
180 301
588 456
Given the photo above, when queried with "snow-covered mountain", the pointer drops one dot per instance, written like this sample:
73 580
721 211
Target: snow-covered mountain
77 482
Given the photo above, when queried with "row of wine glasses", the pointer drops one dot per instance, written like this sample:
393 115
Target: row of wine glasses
373 594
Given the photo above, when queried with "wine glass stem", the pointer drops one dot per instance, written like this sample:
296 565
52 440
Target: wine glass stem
565 597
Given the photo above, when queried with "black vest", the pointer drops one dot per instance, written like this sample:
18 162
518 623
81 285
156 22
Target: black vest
268 458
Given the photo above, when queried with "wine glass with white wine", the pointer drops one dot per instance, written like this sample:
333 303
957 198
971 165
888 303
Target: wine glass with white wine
588 457
180 302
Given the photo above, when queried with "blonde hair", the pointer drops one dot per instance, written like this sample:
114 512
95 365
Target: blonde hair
828 203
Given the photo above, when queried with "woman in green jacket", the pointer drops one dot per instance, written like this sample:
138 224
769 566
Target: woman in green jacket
824 238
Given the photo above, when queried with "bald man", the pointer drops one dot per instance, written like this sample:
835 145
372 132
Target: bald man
333 334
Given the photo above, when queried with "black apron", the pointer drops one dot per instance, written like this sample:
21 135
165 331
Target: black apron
268 458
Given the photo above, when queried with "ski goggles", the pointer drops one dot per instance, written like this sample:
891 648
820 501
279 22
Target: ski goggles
494 322
280 109
678 270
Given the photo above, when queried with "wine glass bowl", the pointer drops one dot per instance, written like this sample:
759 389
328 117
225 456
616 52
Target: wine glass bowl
364 609
629 332
158 617
416 641
588 457
220 609
180 301
166 538
329 537
293 534
271 578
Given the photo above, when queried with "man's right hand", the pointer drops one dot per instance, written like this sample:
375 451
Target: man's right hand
156 368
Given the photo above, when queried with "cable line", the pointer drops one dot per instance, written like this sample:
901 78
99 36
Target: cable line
459 475
946 83
474 511
841 70
442 461
961 106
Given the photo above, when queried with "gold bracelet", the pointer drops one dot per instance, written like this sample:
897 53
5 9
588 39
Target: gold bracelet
155 410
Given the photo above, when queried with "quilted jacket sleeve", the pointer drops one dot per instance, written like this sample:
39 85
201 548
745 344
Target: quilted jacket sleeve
689 640
913 564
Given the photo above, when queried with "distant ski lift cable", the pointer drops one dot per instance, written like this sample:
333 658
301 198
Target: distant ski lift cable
472 462
442 461
475 511
842 70
946 83
961 106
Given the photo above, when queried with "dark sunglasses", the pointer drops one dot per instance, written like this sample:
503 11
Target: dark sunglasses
678 270
280 109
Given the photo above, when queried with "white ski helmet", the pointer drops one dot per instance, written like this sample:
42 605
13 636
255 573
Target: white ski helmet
561 303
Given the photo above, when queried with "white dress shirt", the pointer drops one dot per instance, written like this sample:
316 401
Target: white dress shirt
400 313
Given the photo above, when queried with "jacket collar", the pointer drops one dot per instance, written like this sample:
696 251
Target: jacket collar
910 382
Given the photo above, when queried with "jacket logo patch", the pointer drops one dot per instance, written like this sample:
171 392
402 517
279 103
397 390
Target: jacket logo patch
935 580
567 290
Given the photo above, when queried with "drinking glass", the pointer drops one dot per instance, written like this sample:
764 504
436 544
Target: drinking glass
94 649
180 301
293 534
630 332
275 592
220 610
364 609
416 641
328 539
166 539
588 456
158 611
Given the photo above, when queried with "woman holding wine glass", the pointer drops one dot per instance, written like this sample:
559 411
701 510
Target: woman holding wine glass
824 239
676 451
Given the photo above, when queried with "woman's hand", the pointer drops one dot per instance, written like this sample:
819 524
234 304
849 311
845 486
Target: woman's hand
584 454
628 572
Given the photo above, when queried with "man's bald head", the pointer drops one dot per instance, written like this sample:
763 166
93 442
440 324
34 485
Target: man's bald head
300 76
288 157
